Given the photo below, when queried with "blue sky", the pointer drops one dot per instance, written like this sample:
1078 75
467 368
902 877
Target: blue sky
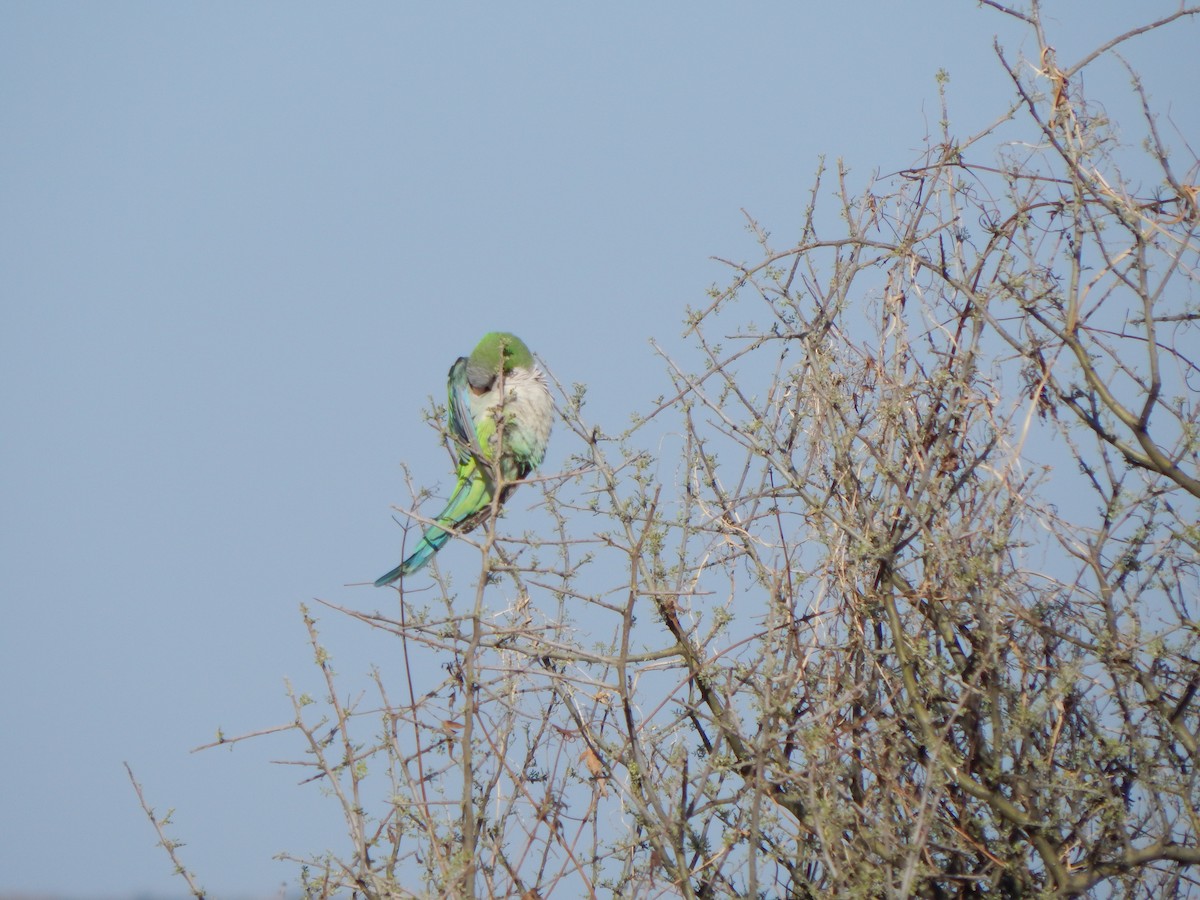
240 245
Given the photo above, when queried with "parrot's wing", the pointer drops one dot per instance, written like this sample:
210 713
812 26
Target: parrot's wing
460 422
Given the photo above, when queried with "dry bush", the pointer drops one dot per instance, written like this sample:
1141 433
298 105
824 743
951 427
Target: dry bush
893 594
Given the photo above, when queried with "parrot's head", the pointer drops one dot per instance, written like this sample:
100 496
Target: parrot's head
498 350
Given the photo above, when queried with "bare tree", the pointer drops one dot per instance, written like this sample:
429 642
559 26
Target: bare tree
894 593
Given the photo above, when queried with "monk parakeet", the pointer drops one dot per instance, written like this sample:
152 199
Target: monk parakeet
497 383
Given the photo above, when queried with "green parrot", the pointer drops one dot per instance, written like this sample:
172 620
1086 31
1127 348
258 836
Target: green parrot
475 406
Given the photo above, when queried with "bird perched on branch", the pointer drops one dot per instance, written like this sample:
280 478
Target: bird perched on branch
497 385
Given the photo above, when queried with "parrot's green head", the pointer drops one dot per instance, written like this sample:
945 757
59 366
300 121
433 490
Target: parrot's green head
497 349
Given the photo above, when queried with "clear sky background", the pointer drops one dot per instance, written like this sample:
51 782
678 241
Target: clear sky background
241 244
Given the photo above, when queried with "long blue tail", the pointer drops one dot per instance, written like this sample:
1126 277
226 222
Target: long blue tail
431 542
470 496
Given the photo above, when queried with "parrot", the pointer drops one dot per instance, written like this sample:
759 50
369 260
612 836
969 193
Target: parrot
476 405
